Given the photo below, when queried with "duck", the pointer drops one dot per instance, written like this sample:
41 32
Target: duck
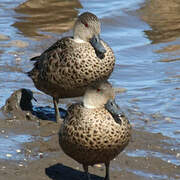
95 130
73 63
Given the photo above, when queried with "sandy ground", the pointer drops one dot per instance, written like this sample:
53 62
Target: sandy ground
51 163
44 160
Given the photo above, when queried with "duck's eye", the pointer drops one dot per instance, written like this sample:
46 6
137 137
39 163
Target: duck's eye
85 24
98 90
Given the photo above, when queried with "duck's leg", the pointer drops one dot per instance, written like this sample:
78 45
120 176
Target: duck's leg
85 167
107 171
55 101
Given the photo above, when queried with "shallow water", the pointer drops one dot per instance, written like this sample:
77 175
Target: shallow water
163 156
144 36
11 146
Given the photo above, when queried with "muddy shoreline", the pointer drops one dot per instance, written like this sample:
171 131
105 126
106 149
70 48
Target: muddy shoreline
43 159
38 155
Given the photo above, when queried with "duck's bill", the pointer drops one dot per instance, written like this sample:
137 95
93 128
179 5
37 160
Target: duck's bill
99 48
115 111
112 107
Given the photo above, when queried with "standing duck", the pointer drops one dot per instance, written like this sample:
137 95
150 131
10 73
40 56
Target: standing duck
66 68
95 131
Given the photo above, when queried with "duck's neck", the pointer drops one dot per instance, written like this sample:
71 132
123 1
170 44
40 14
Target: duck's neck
90 104
78 40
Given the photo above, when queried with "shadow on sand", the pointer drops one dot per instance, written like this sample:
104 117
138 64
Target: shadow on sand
61 172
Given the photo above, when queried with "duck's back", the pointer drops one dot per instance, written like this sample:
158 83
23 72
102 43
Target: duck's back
92 136
67 67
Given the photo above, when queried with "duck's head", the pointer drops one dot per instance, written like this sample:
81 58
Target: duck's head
87 28
98 95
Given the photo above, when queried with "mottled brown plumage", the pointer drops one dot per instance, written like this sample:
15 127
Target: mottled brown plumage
91 135
72 63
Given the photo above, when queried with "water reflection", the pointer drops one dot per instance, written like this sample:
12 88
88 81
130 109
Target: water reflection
55 16
10 146
163 17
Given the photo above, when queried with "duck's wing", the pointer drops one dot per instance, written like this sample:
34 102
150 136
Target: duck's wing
51 48
60 45
41 61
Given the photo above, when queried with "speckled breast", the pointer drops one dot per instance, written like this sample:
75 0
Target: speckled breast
92 136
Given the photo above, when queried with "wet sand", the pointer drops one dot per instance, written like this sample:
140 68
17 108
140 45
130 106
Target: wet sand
39 156
45 160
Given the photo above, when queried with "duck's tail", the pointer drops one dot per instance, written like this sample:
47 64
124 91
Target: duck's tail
36 58
29 73
35 68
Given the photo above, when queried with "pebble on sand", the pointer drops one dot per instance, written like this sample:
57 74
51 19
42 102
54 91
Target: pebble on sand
178 155
168 119
3 131
18 59
8 155
18 150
